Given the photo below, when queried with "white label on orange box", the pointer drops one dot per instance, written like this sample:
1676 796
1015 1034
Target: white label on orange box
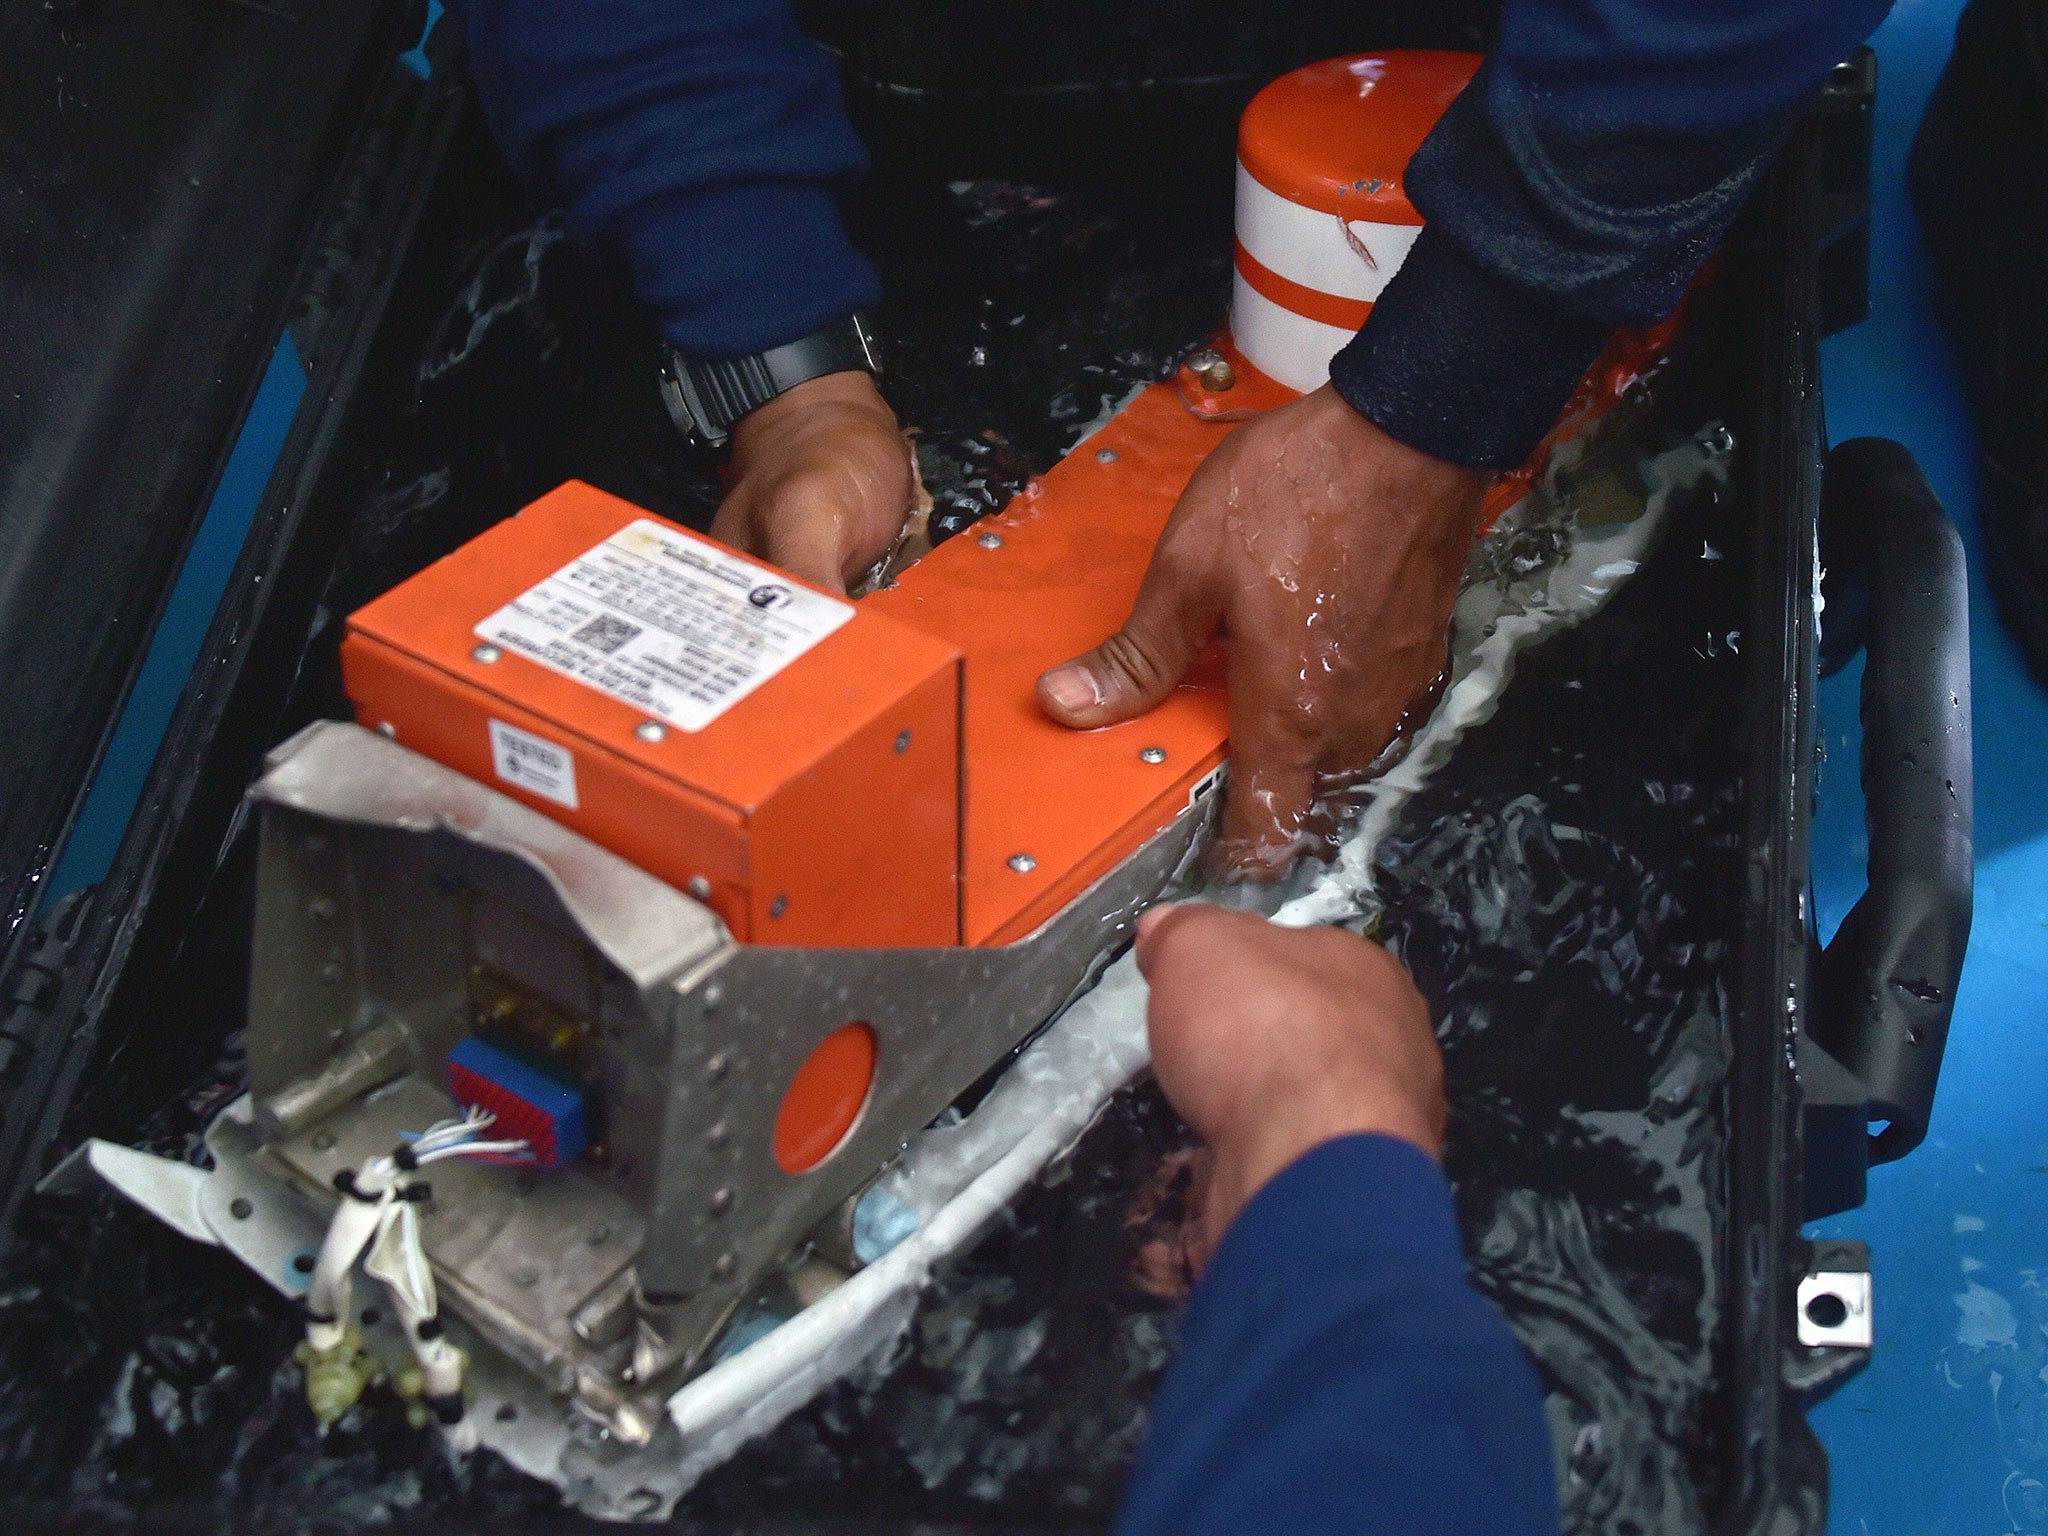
666 622
542 767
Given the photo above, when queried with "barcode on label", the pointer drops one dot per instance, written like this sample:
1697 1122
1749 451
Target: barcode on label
676 627
607 632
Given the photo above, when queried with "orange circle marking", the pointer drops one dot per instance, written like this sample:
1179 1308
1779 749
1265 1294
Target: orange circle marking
825 1097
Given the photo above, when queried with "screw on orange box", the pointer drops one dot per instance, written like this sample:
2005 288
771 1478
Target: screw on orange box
787 758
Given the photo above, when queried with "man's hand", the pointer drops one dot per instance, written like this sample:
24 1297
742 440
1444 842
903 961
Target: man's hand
1328 555
821 480
1271 1041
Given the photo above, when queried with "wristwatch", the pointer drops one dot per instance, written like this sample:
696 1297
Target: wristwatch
706 396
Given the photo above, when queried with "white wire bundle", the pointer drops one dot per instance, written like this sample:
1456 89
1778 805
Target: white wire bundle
379 1212
458 1138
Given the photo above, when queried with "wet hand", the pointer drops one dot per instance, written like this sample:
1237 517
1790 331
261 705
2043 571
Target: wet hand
1270 1041
820 480
1327 555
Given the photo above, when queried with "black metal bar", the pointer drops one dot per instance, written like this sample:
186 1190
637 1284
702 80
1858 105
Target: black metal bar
1848 108
1776 1477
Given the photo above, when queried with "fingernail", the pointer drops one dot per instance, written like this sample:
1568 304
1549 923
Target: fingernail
1072 687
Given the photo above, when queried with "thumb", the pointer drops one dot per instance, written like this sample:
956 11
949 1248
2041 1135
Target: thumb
1138 666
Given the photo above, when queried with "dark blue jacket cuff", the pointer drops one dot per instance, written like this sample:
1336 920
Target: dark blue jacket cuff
1574 188
1464 365
1358 1199
741 268
703 138
1337 1372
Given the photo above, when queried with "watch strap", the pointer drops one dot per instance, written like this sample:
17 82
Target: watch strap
706 396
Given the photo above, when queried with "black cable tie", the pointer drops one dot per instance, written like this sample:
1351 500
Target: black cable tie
406 1158
418 1192
427 1329
326 1319
345 1181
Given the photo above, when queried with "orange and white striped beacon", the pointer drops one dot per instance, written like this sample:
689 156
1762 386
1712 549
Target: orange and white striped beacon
1323 217
1323 224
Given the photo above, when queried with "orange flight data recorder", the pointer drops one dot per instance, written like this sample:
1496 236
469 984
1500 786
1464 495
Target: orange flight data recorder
824 772
821 772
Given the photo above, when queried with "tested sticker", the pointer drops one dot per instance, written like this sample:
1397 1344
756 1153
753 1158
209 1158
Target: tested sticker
665 622
534 763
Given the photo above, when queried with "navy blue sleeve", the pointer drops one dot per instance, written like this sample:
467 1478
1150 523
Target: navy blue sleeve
705 139
1337 1372
1576 186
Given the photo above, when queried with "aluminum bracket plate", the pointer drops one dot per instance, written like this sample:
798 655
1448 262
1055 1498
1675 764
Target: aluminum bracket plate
399 902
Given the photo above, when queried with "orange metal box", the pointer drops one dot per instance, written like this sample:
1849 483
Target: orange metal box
1048 810
787 757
